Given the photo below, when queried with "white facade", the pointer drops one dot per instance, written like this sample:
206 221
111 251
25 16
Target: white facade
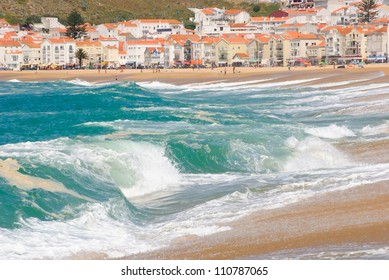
157 28
266 25
13 59
211 21
31 53
377 44
10 54
237 16
60 51
107 30
136 50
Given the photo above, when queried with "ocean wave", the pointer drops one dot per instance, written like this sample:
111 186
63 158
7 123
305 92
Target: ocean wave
330 132
137 168
313 153
376 130
79 82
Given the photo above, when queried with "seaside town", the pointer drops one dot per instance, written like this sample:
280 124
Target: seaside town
301 33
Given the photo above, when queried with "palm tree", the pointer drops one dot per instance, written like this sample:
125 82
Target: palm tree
81 55
367 10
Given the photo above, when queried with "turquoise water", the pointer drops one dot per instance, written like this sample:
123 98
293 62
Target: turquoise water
140 165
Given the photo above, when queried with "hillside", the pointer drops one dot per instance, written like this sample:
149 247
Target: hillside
98 11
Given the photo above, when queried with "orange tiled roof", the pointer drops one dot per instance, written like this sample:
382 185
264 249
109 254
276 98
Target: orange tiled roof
3 21
110 25
88 43
60 40
33 45
286 25
207 11
159 49
264 38
242 55
101 38
269 19
128 23
9 43
233 12
236 40
344 30
291 35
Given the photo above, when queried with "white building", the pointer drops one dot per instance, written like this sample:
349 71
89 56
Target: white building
210 21
154 57
266 25
237 16
157 28
136 50
31 53
10 54
59 51
108 30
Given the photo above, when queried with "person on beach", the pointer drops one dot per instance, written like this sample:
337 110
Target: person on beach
225 71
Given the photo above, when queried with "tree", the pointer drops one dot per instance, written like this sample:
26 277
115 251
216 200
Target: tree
30 20
81 55
367 10
256 8
188 24
75 24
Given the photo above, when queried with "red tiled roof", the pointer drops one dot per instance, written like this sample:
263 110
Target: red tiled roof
233 12
269 19
207 11
9 43
60 40
242 55
88 44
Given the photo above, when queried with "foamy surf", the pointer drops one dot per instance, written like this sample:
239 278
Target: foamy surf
330 132
160 168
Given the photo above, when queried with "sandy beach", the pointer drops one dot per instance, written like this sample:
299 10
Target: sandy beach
186 76
359 215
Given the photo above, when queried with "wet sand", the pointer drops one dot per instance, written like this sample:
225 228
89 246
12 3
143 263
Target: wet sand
186 76
359 215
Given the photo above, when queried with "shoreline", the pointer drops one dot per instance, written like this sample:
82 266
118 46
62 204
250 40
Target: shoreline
380 73
359 216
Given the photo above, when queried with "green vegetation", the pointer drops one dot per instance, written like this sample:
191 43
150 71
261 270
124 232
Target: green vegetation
188 24
81 55
75 24
367 10
261 9
97 11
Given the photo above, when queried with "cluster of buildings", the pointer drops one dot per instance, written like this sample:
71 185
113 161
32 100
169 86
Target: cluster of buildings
300 33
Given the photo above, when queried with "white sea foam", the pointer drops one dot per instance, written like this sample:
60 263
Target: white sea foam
330 132
14 81
251 157
137 168
209 87
376 130
83 83
335 84
313 153
95 231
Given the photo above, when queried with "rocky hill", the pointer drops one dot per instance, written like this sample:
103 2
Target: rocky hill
98 11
